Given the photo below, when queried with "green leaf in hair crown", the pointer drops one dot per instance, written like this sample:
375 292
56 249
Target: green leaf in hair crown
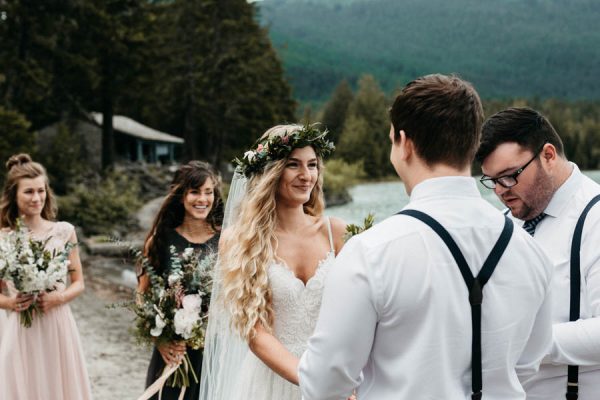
280 146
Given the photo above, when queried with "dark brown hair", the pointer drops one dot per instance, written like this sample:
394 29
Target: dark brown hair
442 116
21 166
189 176
524 126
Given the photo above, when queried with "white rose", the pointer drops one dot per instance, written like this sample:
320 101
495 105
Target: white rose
192 302
184 322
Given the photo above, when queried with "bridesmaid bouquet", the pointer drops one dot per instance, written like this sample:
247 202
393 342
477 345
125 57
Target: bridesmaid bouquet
175 308
31 267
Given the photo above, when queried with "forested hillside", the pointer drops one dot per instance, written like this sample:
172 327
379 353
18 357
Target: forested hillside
508 48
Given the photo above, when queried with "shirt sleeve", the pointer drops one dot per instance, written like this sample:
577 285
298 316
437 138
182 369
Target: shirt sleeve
540 340
331 366
578 342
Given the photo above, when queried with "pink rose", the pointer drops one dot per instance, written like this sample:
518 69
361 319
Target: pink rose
259 148
285 139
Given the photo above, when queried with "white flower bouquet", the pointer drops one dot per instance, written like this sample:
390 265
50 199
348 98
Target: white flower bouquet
31 267
175 307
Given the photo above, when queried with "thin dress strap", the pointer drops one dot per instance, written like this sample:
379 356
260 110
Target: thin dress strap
330 235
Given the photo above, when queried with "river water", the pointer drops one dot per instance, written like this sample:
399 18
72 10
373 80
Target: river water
386 198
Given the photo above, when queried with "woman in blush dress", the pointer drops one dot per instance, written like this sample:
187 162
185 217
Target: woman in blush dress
44 361
2 314
273 262
190 217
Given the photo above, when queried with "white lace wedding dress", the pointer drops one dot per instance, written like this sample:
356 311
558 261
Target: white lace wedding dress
296 308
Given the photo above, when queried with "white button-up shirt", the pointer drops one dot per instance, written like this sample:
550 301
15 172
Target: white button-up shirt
396 321
576 343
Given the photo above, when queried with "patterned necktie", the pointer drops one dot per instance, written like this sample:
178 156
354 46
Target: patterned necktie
530 224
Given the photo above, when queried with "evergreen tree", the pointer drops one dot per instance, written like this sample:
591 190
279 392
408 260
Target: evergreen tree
223 82
40 70
365 134
115 39
15 136
336 110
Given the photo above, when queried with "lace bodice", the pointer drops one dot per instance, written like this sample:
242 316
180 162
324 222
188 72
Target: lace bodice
296 305
58 235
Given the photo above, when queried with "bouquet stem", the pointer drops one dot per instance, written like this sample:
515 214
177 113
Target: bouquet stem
26 316
180 377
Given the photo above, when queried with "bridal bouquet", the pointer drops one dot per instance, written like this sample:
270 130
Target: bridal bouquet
31 267
175 307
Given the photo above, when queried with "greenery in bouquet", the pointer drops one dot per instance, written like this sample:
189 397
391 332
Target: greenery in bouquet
352 229
31 267
175 306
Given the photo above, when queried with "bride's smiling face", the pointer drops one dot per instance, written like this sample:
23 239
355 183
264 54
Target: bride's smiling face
299 176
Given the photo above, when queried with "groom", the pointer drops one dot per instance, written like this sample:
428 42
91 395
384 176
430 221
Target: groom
402 312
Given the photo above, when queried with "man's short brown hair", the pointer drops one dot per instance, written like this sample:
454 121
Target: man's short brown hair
442 115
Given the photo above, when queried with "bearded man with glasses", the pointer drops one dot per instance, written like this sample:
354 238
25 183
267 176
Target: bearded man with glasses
523 161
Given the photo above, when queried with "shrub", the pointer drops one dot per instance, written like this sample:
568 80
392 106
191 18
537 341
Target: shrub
107 207
339 177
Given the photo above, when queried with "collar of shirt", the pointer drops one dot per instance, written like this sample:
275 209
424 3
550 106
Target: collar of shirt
445 186
562 196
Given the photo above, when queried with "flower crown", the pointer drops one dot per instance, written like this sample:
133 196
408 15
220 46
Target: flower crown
278 147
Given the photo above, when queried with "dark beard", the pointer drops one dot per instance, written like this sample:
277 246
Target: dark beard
536 199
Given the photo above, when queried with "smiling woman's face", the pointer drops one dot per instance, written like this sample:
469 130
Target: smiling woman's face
299 176
198 202
31 196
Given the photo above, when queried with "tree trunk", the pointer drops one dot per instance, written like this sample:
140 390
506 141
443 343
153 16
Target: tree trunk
108 137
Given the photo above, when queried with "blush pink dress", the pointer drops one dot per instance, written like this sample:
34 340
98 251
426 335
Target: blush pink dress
44 361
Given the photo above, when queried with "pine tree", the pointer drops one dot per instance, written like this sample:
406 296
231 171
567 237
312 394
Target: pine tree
365 134
223 83
15 136
336 110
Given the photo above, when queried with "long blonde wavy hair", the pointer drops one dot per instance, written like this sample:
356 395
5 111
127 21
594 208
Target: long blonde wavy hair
252 246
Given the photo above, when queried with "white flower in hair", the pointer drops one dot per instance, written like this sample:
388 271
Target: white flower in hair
249 155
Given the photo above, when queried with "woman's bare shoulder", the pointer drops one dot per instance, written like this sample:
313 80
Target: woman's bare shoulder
338 229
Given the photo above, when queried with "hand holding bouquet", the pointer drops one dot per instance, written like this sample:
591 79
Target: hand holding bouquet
175 307
31 267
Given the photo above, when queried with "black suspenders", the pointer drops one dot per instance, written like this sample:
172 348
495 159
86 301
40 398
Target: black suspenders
573 370
474 285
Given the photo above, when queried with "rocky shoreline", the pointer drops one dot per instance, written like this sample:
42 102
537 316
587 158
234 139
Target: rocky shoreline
116 364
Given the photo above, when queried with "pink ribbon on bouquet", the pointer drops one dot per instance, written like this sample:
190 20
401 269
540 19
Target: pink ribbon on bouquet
158 384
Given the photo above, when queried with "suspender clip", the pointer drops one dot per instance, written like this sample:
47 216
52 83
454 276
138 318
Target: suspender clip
476 293
476 395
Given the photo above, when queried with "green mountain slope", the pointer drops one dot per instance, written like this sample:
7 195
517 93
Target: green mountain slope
543 48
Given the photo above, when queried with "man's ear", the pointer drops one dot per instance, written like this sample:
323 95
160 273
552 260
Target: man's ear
549 154
406 146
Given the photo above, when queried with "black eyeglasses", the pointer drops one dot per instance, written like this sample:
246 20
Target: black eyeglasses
510 180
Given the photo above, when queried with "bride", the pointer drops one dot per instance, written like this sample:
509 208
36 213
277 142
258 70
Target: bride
273 263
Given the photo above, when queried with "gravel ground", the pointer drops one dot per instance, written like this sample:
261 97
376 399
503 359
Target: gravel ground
116 365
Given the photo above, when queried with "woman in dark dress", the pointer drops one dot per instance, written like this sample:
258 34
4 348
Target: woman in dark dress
190 216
